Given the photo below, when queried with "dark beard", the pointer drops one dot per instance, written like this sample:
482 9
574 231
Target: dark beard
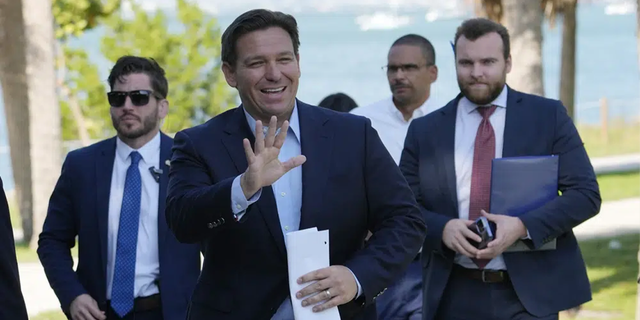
494 91
149 123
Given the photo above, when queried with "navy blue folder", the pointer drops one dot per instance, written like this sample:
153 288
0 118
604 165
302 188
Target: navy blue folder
522 184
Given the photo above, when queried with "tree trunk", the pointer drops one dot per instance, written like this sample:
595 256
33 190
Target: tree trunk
46 145
524 19
568 67
13 77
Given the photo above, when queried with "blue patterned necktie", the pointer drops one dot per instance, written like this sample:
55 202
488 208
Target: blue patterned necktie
125 266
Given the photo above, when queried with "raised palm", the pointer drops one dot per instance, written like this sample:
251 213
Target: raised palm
264 167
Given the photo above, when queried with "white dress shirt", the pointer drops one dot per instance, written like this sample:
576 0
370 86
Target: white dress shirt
390 124
467 123
287 192
147 262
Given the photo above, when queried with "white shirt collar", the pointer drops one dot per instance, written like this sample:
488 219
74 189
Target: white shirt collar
500 101
421 111
294 122
148 152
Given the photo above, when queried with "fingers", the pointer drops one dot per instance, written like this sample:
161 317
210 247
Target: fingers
490 216
259 144
316 275
317 293
271 133
95 312
467 233
334 302
248 152
465 247
294 162
487 253
279 139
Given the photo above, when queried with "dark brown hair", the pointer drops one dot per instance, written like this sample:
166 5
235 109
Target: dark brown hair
254 20
131 64
475 28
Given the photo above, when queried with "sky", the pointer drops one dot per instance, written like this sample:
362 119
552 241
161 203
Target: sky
296 6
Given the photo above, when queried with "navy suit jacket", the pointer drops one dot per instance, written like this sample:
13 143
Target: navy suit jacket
350 185
11 301
79 206
546 281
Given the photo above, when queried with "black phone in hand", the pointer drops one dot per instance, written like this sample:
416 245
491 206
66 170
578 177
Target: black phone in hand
482 228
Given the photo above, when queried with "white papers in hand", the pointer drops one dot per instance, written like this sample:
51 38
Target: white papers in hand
307 250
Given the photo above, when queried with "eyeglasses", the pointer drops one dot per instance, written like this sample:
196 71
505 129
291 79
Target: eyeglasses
138 98
408 68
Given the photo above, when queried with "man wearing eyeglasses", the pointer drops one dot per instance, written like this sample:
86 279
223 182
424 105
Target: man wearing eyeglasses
410 71
111 195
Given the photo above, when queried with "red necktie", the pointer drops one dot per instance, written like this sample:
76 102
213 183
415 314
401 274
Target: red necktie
484 151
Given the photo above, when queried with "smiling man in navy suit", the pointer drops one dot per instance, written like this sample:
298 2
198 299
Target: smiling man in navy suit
447 161
322 169
111 195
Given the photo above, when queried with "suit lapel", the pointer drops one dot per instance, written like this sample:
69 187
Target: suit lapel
514 123
165 154
316 145
104 170
447 149
238 129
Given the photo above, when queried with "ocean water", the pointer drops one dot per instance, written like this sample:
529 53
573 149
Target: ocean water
337 55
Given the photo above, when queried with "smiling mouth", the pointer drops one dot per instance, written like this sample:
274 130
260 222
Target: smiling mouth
273 90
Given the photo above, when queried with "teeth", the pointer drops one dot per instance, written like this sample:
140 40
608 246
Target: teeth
276 90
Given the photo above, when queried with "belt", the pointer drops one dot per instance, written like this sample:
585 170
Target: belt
142 304
486 276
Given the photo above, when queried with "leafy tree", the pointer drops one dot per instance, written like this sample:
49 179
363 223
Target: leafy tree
78 79
73 17
190 56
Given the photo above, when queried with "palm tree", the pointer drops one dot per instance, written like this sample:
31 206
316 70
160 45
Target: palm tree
33 113
13 66
524 21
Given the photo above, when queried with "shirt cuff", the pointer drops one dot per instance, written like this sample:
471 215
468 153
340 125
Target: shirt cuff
528 237
239 202
358 284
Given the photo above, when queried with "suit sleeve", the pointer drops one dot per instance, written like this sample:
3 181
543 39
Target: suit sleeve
12 302
196 207
58 237
394 219
580 199
410 167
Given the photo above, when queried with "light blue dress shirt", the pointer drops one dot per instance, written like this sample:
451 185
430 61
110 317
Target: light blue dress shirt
287 192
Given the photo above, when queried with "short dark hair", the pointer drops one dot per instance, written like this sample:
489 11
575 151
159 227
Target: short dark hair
131 64
475 28
419 41
338 102
254 20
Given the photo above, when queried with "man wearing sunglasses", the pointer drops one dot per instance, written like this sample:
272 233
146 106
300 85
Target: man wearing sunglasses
111 195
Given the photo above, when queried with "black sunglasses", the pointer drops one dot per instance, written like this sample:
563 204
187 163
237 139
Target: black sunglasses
138 97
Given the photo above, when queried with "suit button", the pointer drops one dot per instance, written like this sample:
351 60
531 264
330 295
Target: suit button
222 220
210 225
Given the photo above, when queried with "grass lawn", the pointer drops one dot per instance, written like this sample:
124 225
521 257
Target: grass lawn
619 186
613 274
623 137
